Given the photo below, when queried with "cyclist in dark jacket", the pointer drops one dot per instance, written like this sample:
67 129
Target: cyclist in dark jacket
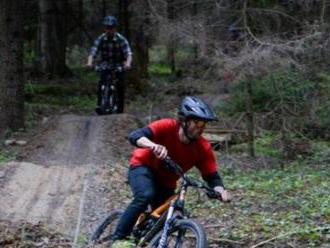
181 140
114 50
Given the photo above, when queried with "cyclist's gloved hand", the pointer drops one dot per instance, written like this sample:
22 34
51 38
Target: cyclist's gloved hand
224 194
160 151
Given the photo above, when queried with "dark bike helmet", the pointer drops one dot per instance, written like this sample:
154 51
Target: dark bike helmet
193 107
110 21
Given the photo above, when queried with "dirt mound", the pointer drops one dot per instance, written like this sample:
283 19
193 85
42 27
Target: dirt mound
76 140
73 173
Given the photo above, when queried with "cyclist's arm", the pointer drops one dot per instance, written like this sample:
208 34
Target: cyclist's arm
214 180
128 61
127 52
208 168
90 61
142 138
135 135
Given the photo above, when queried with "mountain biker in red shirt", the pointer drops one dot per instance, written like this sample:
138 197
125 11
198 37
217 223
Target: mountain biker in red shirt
181 140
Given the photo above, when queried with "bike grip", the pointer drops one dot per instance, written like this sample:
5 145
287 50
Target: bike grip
213 194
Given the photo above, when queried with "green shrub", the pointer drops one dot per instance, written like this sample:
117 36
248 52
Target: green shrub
303 103
264 144
160 69
76 56
289 88
6 156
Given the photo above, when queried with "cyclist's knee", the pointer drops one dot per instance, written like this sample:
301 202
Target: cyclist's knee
144 198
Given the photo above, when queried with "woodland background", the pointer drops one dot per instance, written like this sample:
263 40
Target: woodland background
271 56
263 64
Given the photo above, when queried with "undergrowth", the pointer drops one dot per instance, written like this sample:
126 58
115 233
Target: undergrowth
292 203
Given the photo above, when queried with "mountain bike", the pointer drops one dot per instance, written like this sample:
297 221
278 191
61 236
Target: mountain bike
109 89
166 226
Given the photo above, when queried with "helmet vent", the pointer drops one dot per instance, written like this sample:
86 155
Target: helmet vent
188 108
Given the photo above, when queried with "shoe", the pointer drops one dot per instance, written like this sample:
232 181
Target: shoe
98 110
123 243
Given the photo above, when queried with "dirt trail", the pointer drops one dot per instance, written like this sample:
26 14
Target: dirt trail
70 173
37 193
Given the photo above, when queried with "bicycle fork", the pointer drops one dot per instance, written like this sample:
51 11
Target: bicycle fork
163 239
176 204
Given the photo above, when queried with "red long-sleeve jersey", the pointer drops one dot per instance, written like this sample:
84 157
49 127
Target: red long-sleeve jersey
165 132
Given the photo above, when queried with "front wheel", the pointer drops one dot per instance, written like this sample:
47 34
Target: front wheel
106 228
106 99
114 98
184 234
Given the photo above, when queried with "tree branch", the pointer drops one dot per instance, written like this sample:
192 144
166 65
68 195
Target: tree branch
215 240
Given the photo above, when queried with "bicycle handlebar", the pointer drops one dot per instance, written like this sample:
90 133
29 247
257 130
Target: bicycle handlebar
174 167
104 67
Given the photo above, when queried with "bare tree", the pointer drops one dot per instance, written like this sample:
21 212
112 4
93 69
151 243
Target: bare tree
11 68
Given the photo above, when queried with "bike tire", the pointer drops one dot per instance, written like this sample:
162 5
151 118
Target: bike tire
106 95
114 98
105 229
183 230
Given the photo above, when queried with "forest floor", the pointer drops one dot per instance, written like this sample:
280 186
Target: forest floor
72 171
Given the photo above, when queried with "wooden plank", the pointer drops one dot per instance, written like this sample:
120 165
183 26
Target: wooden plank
217 137
216 130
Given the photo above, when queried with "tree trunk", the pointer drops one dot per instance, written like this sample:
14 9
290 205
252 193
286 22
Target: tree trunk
124 16
194 14
250 117
80 22
171 49
139 41
53 37
104 8
11 66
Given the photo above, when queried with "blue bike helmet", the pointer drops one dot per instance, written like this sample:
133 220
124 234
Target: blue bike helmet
193 107
110 21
